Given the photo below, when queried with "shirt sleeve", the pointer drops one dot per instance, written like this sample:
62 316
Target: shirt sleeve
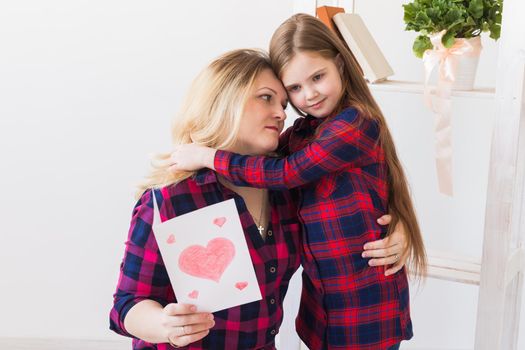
345 141
142 272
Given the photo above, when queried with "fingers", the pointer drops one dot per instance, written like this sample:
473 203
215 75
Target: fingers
184 315
180 341
184 320
196 328
389 255
379 244
385 243
184 335
184 325
383 252
394 269
175 309
397 266
384 220
388 260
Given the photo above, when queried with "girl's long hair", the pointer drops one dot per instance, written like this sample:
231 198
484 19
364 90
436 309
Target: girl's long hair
211 111
304 33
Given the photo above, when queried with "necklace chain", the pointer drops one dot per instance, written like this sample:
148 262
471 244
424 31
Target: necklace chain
260 227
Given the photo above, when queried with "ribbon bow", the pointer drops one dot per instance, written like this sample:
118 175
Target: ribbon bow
447 58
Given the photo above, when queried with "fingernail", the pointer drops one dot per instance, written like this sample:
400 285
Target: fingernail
371 263
210 317
363 255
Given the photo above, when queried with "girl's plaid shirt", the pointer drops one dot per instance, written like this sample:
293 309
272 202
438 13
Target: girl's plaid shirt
339 168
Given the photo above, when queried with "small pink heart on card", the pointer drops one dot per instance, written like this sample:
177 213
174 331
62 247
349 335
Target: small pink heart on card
171 239
219 221
241 285
194 294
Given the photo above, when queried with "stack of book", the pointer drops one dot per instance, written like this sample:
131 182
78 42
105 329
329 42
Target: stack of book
351 28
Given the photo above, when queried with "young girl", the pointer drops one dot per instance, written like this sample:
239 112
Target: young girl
344 164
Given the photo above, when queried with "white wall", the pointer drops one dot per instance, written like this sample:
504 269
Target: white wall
87 92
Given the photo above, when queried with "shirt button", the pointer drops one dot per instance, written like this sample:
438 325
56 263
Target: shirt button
272 301
270 233
273 332
272 269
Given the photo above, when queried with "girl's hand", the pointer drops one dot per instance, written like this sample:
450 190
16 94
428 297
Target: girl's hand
182 325
190 157
390 251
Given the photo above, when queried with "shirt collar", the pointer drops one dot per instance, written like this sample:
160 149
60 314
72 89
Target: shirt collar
309 123
205 176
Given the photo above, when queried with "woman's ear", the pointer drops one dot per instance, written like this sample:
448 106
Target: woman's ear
339 63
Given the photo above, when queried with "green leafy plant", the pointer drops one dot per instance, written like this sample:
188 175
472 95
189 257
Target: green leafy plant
459 18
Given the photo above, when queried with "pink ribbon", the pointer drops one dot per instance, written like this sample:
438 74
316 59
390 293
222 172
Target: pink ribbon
448 61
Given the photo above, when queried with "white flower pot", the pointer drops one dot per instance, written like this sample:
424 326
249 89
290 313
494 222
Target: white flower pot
456 66
466 67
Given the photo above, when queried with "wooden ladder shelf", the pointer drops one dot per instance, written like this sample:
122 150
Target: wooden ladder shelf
500 272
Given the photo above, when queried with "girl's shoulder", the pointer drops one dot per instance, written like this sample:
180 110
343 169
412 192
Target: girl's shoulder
352 118
350 115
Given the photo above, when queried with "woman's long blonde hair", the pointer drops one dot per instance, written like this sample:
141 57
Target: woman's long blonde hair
304 33
212 109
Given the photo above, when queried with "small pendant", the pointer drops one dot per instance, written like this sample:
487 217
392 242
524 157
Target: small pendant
261 229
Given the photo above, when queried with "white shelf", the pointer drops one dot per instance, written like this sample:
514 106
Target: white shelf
412 87
463 269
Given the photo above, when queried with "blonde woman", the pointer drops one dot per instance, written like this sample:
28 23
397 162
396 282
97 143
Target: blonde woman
235 104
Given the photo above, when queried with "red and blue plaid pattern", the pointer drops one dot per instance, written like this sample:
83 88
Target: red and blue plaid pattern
143 274
340 171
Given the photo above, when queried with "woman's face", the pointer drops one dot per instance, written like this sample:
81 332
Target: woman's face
263 118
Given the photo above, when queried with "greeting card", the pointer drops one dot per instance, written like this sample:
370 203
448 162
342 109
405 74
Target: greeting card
207 258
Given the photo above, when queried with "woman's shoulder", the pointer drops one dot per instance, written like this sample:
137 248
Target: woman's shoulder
171 201
165 196
165 192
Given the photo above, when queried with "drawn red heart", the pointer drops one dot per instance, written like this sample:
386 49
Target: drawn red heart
208 262
219 221
194 294
171 239
241 285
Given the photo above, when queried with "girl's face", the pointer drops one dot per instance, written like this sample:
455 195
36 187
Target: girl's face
263 118
314 83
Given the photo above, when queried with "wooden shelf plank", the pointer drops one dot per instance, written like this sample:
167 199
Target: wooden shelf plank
417 88
455 268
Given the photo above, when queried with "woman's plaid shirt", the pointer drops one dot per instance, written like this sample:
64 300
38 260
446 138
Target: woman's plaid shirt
275 259
341 173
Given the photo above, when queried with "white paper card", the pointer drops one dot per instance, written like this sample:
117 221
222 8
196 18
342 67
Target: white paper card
207 258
